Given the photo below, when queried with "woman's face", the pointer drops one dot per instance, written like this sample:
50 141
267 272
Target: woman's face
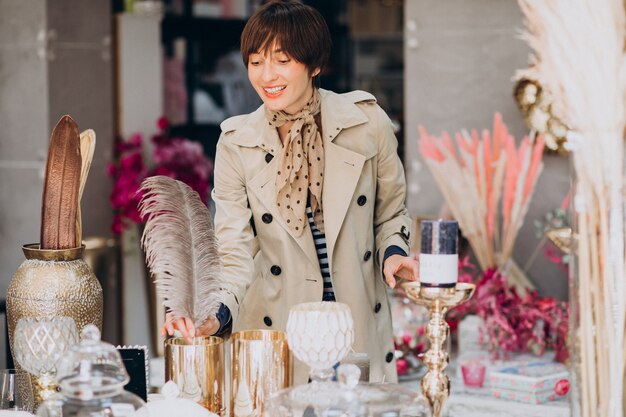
281 82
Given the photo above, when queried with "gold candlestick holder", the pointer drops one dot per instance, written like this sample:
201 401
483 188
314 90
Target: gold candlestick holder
436 384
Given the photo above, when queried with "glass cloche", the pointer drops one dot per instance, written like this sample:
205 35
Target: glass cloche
91 377
348 398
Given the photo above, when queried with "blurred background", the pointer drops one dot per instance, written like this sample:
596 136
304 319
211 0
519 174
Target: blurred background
135 71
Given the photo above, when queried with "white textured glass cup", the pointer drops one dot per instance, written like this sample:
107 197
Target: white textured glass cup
39 343
320 334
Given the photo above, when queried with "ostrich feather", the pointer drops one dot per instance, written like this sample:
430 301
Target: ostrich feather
181 248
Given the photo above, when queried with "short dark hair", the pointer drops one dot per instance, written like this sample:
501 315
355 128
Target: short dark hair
298 29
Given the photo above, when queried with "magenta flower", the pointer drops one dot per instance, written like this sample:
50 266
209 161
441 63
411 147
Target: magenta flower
402 366
178 158
515 322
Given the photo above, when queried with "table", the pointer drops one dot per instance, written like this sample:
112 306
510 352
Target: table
463 401
478 402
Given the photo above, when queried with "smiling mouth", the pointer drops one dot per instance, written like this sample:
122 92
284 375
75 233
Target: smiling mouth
274 90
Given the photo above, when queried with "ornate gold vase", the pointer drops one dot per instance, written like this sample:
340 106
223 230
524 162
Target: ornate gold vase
52 283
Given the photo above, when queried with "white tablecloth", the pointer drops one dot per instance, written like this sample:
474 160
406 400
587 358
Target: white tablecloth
463 401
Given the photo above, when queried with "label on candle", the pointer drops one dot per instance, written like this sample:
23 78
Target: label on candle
439 270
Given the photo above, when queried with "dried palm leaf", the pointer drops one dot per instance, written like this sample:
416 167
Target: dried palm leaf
181 249
59 204
87 148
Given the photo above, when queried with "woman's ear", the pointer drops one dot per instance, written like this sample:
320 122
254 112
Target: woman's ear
315 72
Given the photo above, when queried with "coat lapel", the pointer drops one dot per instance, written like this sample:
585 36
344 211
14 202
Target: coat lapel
341 174
263 185
342 168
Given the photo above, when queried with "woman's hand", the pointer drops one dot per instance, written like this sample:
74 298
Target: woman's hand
404 267
186 327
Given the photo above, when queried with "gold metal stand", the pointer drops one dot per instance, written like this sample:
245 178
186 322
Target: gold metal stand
436 384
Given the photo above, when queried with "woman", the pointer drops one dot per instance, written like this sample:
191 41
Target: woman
309 193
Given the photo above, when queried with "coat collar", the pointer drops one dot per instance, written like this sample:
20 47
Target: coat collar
339 111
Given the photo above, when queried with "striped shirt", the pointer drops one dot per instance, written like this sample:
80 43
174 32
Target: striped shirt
322 256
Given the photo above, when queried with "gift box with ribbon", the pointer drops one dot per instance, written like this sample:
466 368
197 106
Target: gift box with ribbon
532 383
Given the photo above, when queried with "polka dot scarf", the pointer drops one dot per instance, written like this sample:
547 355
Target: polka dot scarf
300 166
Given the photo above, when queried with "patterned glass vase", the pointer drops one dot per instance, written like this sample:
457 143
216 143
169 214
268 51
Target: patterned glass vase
320 334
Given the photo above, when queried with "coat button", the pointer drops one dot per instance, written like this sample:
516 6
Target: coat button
268 322
367 255
377 307
388 358
275 269
268 157
361 200
267 218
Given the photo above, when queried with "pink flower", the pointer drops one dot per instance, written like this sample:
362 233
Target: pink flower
402 366
406 338
163 124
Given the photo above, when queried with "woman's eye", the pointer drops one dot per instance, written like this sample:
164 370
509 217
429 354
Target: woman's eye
254 63
284 61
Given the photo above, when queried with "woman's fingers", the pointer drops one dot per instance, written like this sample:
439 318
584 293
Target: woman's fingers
186 328
412 269
184 325
402 267
388 270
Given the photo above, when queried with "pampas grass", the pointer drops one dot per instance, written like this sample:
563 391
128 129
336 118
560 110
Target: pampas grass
487 183
579 58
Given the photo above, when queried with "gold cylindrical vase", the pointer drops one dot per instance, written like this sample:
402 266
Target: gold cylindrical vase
52 283
198 368
261 365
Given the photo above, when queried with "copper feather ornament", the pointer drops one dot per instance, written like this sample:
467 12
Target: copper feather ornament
181 249
59 207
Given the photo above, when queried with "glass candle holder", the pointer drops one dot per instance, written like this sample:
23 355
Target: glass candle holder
320 335
198 368
16 391
39 343
261 365
473 371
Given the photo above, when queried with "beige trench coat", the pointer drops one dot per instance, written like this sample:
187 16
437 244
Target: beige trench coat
364 213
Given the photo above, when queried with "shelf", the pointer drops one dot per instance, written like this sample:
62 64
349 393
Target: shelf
204 29
386 76
377 37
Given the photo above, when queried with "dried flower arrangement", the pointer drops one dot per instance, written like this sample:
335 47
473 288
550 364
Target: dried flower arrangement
487 184
514 322
585 73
